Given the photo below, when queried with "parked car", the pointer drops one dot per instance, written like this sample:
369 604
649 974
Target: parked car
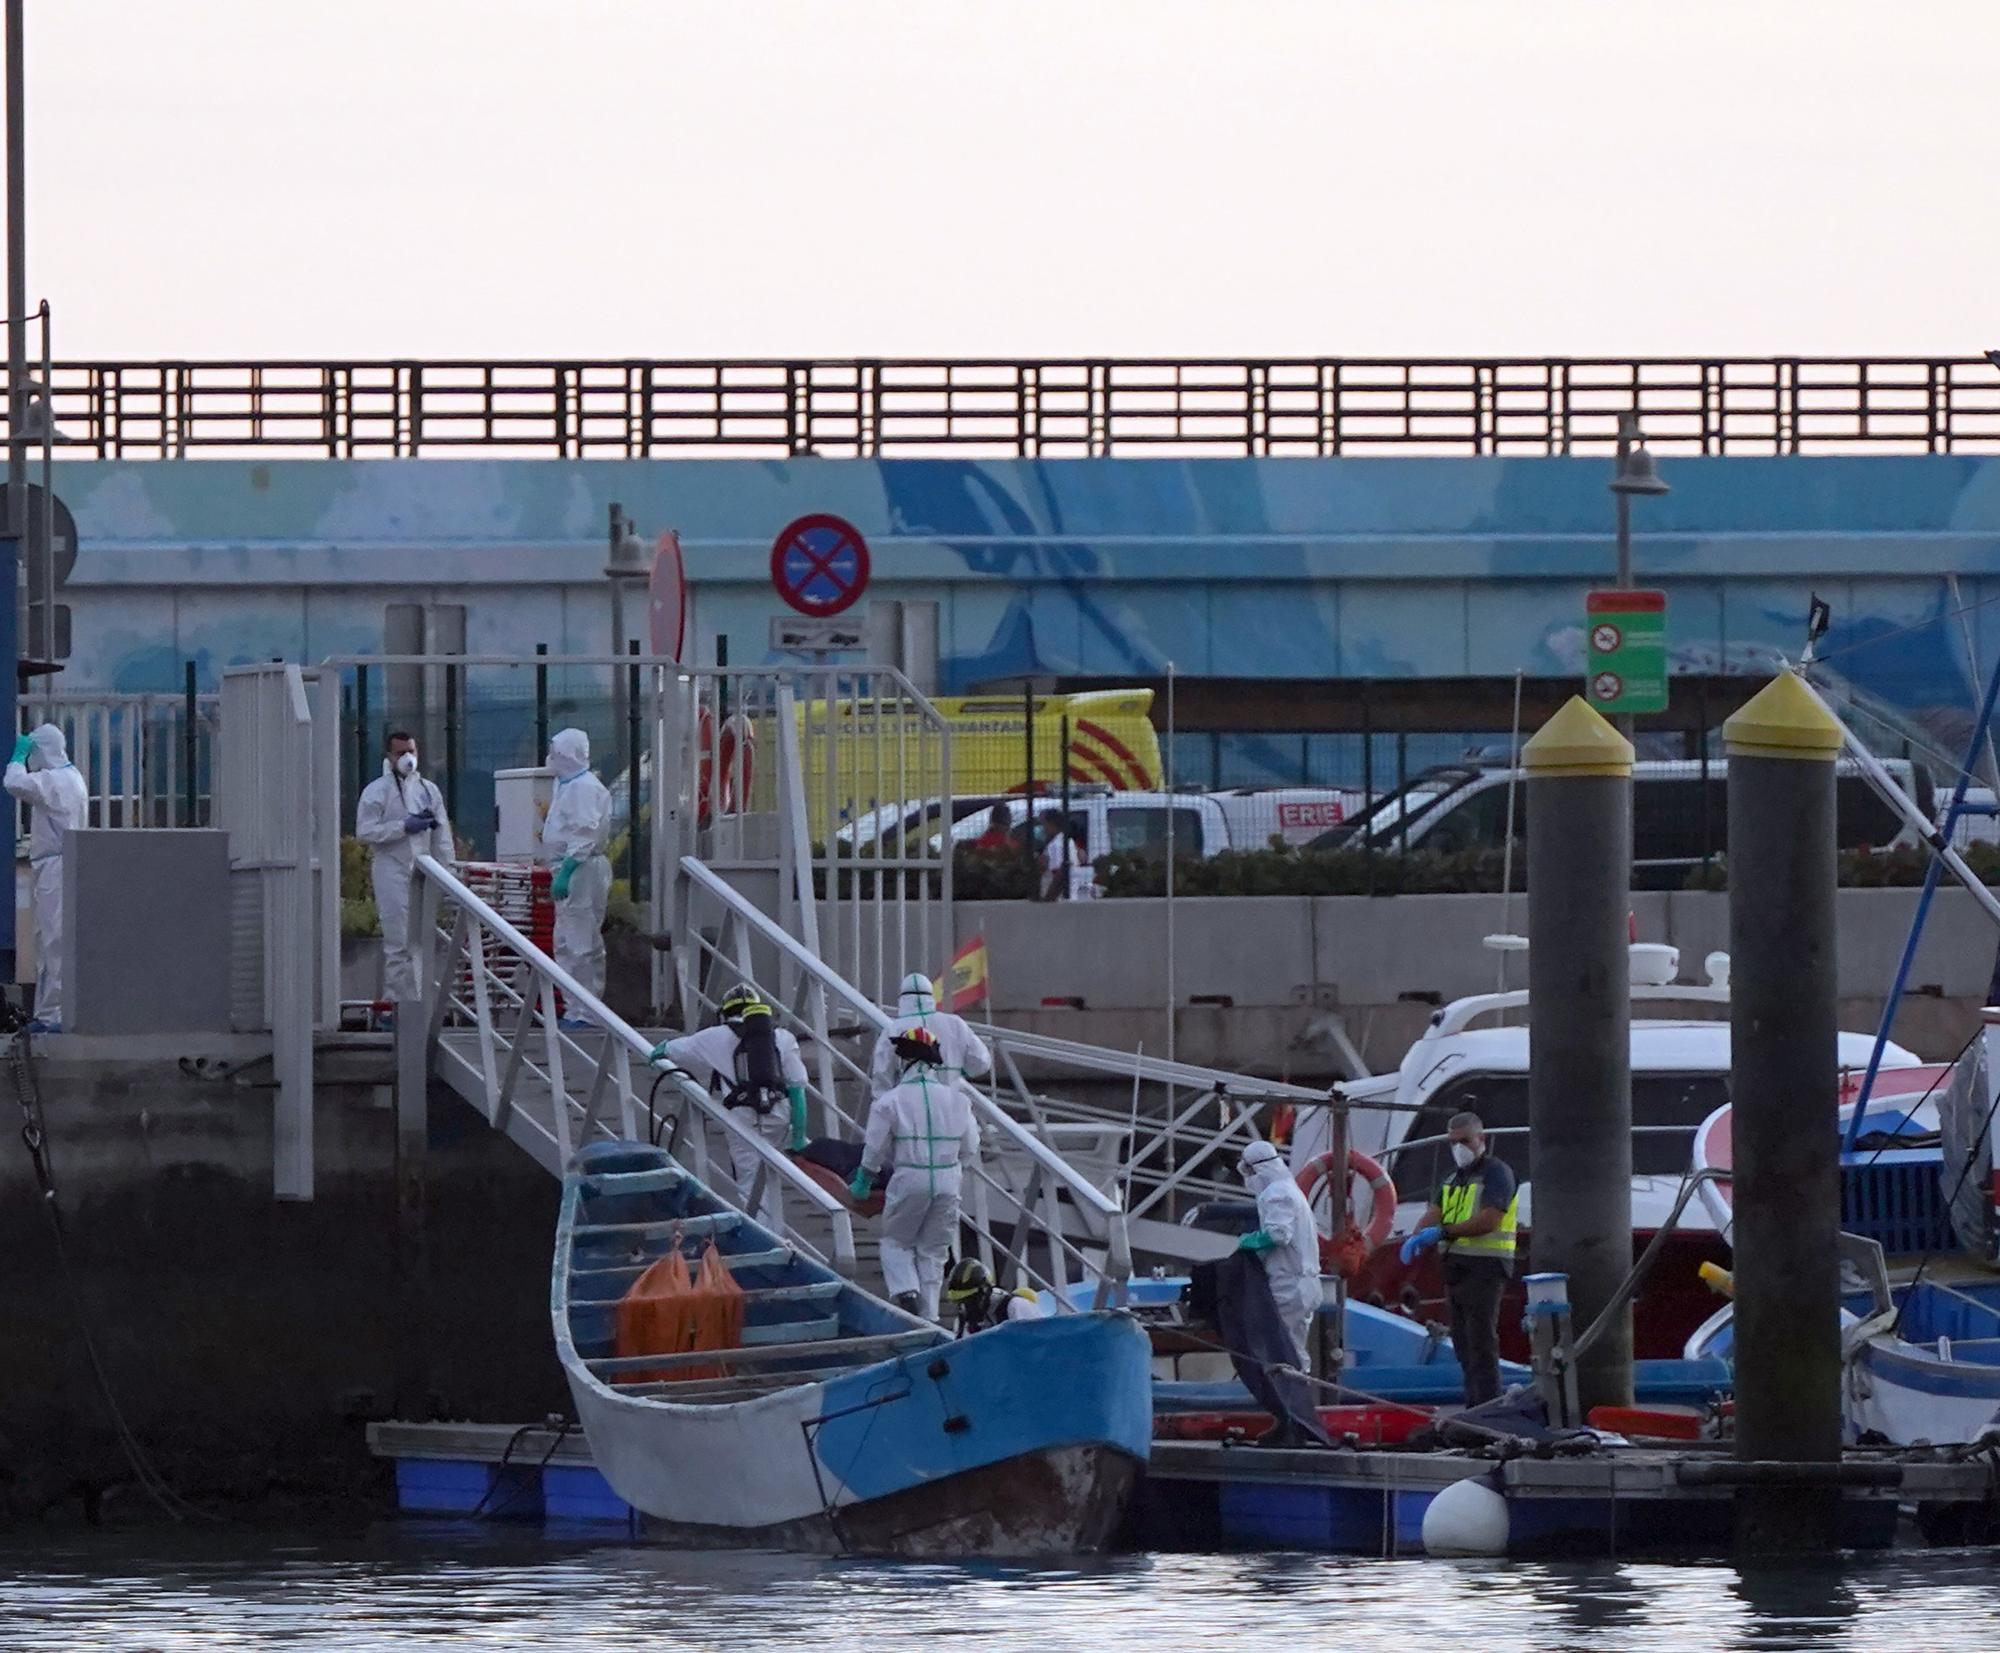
1676 816
1115 821
1291 814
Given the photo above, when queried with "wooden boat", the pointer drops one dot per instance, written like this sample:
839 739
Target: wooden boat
836 1422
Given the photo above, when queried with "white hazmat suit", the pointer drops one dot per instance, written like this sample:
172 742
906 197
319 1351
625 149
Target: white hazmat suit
573 836
712 1051
1292 1264
965 1053
386 821
59 802
925 1128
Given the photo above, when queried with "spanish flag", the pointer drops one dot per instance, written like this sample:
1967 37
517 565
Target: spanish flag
963 985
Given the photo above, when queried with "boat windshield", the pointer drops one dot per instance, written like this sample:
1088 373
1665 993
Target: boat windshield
1666 1110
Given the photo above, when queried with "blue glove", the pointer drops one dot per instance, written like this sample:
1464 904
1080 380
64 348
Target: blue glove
1420 1242
659 1054
22 748
418 821
862 1185
1256 1240
559 885
797 1093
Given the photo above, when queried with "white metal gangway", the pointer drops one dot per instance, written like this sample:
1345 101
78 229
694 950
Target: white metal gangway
493 1006
494 1034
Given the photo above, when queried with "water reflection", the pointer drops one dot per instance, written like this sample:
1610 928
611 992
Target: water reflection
396 1590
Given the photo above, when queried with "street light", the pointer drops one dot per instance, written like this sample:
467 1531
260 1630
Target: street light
1636 475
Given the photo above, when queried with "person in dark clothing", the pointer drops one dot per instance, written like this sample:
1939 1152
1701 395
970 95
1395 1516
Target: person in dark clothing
1473 1220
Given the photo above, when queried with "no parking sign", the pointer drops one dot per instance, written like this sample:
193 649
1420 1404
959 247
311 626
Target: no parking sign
819 565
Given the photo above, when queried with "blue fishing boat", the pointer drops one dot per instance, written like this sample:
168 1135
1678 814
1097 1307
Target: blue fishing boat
835 1422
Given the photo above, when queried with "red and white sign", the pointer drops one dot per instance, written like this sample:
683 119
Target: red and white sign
667 598
819 565
1313 817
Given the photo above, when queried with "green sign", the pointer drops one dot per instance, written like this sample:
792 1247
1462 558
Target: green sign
1627 662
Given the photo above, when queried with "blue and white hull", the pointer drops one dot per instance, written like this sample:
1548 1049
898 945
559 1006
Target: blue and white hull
878 1435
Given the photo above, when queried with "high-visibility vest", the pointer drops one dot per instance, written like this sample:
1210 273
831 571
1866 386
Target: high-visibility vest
1458 1202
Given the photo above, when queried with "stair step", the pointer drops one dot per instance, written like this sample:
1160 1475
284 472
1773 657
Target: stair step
715 1222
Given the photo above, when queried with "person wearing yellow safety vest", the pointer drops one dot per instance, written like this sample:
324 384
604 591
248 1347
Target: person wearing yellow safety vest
924 1128
1473 1220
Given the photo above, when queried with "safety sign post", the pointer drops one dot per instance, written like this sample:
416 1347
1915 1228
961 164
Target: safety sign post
1626 663
819 565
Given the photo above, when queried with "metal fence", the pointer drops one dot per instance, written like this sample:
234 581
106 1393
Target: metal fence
1063 408
147 761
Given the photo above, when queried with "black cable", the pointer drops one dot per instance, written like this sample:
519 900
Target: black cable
34 1136
479 1510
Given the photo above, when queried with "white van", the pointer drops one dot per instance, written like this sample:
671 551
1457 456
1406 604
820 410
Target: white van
1115 821
1291 814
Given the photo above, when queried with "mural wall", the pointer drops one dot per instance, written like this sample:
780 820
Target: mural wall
1281 568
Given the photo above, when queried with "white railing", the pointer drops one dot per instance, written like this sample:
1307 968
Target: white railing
491 1000
142 760
1034 1198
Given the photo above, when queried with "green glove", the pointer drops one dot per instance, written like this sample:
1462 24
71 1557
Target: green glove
23 747
862 1185
798 1095
1257 1240
559 885
659 1053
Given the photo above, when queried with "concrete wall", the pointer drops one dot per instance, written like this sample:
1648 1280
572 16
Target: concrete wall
249 1340
1385 963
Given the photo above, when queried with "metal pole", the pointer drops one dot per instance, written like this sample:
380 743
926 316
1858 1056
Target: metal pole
617 616
1062 769
361 742
1173 973
451 741
17 277
1028 784
635 861
1579 1026
541 703
190 748
1628 430
1784 1070
45 552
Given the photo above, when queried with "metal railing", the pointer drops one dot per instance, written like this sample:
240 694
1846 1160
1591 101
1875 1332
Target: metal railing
1029 1191
144 761
1053 408
552 1089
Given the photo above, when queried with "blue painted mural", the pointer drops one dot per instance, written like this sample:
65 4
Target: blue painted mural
1283 568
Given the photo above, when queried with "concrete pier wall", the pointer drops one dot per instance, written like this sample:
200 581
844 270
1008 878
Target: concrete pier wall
1253 974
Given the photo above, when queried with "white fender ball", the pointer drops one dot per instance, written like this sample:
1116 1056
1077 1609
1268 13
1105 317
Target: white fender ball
1467 1518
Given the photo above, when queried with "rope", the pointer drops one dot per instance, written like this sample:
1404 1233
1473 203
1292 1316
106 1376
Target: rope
1904 630
34 1136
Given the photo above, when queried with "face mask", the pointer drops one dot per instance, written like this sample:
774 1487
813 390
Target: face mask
406 764
1462 1155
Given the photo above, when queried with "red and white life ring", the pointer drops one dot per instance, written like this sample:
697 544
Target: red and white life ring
724 765
1345 1250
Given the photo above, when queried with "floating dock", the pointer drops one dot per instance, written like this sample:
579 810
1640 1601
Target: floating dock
1208 1495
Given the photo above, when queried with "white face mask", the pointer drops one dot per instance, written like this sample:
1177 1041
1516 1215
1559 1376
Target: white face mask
406 764
1461 1155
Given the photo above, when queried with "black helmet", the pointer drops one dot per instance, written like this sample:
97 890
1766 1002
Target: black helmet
741 1004
970 1284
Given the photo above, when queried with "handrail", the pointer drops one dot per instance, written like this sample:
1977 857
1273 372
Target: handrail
1124 1064
1086 1193
616 1028
1630 1284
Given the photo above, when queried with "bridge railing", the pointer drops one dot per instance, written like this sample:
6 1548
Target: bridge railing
1001 408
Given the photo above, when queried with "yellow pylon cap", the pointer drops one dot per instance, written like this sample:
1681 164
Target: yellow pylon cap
1578 741
1784 719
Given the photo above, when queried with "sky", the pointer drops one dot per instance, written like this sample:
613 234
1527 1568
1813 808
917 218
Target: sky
679 178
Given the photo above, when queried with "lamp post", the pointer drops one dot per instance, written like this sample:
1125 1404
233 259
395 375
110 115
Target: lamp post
626 562
1635 475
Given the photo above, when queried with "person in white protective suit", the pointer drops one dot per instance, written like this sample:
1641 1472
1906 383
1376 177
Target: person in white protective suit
42 777
1286 1238
924 1127
400 816
965 1053
574 834
765 1079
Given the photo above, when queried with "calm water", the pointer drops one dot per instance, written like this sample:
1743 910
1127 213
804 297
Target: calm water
399 1590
